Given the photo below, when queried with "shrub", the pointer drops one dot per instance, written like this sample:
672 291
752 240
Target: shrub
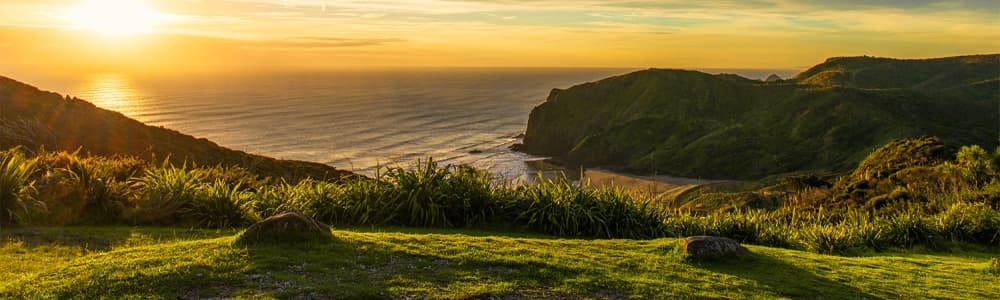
426 195
220 205
163 193
557 206
827 239
906 229
368 202
272 199
970 222
316 199
84 189
17 191
975 165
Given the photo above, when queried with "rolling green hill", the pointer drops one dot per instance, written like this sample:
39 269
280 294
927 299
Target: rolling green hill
37 119
693 124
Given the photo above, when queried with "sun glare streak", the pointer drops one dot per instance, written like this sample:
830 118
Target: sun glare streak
115 17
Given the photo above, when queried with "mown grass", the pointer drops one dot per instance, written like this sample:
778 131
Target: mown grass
167 263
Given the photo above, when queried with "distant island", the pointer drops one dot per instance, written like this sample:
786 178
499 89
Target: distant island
828 118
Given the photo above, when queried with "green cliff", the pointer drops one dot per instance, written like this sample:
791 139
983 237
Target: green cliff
693 124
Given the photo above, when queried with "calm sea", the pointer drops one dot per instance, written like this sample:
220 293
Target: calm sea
353 120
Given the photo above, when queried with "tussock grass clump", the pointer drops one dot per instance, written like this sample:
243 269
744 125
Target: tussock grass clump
163 194
79 189
828 239
17 189
975 222
220 205
316 199
560 207
428 195
908 229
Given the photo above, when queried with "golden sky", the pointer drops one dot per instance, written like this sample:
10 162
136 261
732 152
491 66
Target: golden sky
204 35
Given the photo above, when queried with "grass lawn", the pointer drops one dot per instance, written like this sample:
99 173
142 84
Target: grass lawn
143 262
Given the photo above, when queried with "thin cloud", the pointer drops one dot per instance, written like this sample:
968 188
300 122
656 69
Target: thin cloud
329 42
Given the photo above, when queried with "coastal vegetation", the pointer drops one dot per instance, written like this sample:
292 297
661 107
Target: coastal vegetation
928 201
826 119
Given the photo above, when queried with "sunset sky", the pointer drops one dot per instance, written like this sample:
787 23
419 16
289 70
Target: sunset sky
179 35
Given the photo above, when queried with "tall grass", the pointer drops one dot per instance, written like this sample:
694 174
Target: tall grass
163 193
560 207
85 189
220 205
122 190
428 195
17 191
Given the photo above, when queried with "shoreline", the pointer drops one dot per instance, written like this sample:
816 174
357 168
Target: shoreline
659 187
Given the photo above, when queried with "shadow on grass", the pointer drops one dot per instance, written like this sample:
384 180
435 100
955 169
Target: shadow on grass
364 269
482 231
101 238
785 279
189 269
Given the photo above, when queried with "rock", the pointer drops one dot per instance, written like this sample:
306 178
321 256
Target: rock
286 227
516 147
476 151
712 247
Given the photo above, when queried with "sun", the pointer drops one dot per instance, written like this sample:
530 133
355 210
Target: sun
114 17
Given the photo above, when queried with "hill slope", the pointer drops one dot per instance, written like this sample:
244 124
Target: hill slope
694 124
34 118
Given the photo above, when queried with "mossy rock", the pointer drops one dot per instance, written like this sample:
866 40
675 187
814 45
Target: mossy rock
289 227
701 248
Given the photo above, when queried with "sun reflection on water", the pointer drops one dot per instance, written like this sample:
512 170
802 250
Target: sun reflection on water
110 91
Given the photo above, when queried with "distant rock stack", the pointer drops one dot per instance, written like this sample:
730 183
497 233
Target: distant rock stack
773 78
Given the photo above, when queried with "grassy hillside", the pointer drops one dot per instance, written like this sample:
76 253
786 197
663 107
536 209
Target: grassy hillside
37 119
692 124
384 263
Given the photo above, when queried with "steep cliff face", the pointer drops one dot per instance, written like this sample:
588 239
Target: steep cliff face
33 118
688 123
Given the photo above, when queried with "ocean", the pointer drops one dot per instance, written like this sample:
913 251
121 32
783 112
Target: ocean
352 120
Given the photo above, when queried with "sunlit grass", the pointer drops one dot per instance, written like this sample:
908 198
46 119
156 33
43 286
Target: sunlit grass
454 264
